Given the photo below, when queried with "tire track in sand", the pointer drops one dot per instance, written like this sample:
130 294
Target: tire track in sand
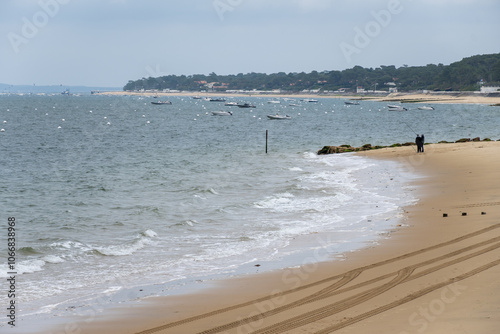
408 298
343 278
334 289
402 277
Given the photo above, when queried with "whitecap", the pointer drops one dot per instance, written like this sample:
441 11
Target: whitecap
53 259
150 233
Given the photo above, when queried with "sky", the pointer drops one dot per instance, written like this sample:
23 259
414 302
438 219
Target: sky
109 42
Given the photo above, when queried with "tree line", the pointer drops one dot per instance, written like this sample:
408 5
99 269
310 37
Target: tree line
465 75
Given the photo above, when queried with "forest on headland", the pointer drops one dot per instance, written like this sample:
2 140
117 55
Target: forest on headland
465 75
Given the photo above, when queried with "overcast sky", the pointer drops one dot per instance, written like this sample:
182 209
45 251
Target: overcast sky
108 42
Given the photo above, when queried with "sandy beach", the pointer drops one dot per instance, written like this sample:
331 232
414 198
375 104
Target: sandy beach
433 274
430 98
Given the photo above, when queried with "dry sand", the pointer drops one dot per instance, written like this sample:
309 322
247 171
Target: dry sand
434 274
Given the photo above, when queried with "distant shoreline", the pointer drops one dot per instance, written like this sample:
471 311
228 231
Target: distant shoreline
429 98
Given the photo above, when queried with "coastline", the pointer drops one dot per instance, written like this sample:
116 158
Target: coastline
452 285
428 98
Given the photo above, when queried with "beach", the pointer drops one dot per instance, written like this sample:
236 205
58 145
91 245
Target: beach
436 273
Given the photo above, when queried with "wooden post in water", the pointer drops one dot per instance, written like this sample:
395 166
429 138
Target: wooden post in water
266 141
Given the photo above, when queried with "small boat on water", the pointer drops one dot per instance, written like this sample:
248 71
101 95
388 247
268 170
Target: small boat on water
426 108
246 105
278 116
352 103
197 97
311 100
217 99
222 113
231 104
161 102
397 108
294 105
274 102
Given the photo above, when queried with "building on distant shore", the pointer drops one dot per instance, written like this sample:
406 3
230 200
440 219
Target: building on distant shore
490 89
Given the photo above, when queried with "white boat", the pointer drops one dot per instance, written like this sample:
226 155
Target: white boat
294 105
311 100
353 103
222 113
274 101
397 108
426 108
278 116
231 104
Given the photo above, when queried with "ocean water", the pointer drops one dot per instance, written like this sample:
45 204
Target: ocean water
117 199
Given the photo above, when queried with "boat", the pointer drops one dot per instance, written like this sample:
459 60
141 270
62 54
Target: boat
353 103
311 100
197 97
222 113
426 108
278 116
217 99
245 105
161 102
231 104
397 108
294 105
274 102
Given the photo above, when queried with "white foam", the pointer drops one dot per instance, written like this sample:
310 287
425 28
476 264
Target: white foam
150 233
112 289
53 259
30 266
128 249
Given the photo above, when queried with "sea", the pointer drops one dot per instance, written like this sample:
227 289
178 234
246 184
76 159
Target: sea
117 200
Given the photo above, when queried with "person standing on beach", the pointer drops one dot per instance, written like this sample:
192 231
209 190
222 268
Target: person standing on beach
418 141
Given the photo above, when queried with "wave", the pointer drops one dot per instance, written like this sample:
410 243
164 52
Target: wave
144 239
273 202
53 259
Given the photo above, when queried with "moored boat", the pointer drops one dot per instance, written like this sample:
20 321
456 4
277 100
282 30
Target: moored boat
246 105
222 113
161 102
278 116
217 99
397 108
426 108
